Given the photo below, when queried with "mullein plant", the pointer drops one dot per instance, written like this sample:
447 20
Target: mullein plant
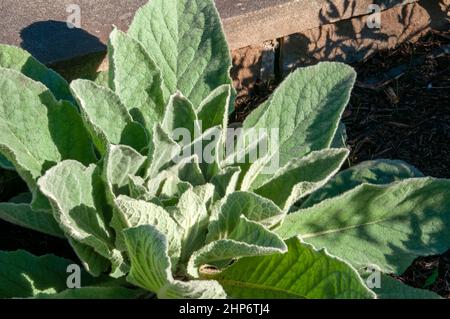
104 172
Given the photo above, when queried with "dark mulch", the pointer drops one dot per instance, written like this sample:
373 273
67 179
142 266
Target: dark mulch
407 118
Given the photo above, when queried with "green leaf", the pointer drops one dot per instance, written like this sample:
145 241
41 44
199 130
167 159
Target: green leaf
136 79
205 149
250 205
432 279
172 187
93 262
300 177
390 288
243 149
14 58
120 163
186 41
180 114
251 171
23 215
193 289
302 272
384 225
137 188
246 239
248 231
340 138
21 198
24 275
148 252
376 172
35 136
226 181
306 109
135 213
222 252
205 193
5 164
150 267
106 118
192 216
164 150
188 170
213 110
102 79
78 198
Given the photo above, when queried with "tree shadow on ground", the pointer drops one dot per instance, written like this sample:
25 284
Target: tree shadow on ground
64 49
352 40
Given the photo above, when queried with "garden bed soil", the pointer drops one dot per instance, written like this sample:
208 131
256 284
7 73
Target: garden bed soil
399 109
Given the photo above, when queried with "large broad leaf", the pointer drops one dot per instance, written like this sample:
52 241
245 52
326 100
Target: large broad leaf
387 287
376 172
237 204
302 272
23 275
5 164
136 79
14 58
120 163
23 215
246 239
186 41
35 135
300 177
193 218
148 251
134 213
205 148
306 109
214 109
188 170
106 118
46 277
92 261
102 78
246 150
164 149
205 193
137 188
193 289
226 181
150 267
79 201
171 188
221 252
180 114
384 225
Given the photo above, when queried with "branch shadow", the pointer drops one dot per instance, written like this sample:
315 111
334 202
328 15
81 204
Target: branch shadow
351 40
